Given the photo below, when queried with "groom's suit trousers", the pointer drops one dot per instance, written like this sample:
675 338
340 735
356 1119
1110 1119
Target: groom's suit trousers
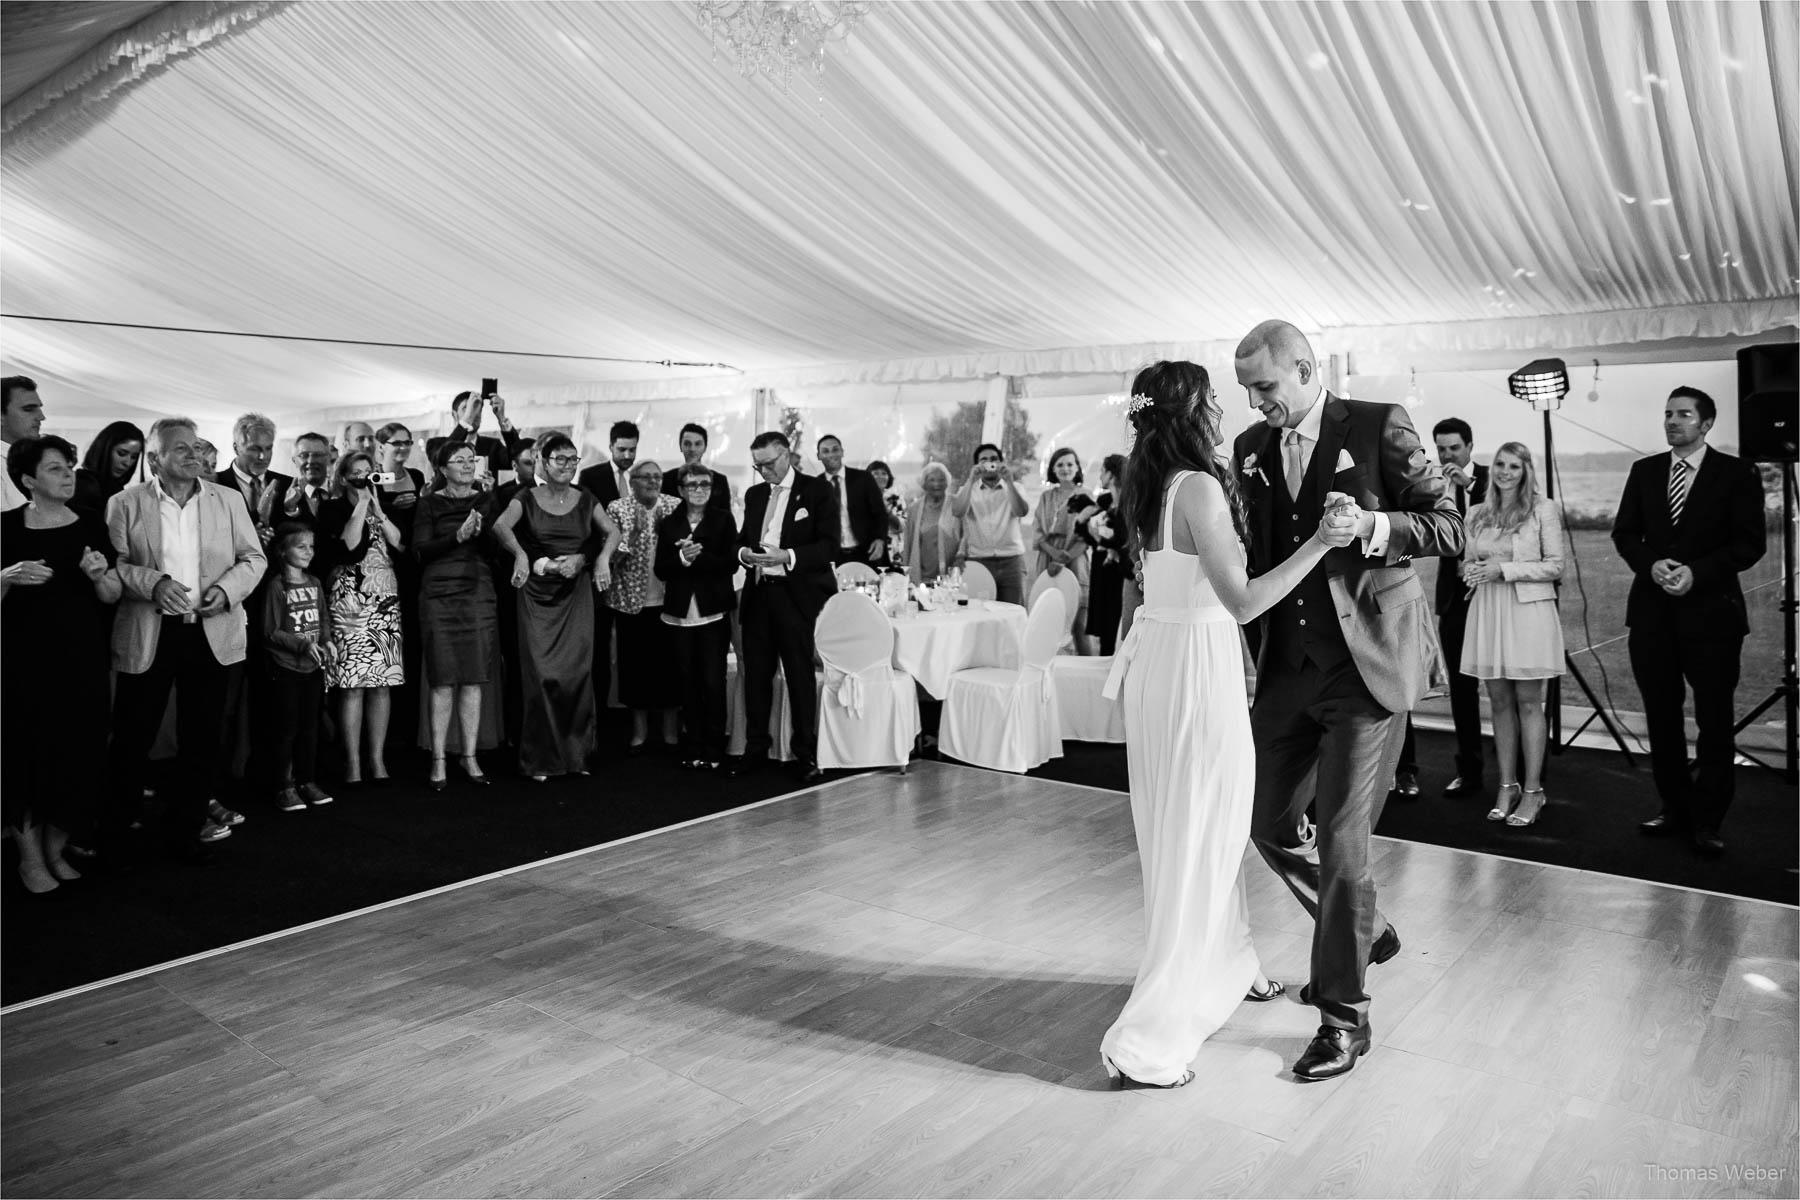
1321 739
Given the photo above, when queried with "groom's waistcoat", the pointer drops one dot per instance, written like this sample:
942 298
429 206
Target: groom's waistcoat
1304 625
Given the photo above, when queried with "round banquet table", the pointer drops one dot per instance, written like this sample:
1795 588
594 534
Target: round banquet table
933 646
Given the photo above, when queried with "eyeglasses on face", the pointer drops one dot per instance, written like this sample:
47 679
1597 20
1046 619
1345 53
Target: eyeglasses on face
697 485
463 460
563 460
399 444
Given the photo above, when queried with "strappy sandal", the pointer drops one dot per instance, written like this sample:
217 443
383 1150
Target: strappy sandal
1275 991
1503 805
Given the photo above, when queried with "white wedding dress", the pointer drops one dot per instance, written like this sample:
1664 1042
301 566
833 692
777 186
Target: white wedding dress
1193 779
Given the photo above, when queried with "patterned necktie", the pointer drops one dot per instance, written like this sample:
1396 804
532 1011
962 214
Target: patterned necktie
1678 490
1294 465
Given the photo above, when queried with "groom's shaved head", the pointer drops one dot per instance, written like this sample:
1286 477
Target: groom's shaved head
1285 343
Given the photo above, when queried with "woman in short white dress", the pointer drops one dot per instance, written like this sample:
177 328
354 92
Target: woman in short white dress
1180 675
1512 559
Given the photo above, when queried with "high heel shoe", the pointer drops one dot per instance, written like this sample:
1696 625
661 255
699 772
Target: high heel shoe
1125 1083
1517 820
440 778
1503 805
475 775
1275 991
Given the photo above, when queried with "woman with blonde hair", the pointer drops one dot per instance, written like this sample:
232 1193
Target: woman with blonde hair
1513 640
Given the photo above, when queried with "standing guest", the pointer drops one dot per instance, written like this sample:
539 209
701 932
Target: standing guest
789 535
308 492
401 487
553 532
209 460
933 538
696 561
189 557
21 417
495 453
296 624
1103 528
456 604
636 598
394 444
1059 547
1468 482
524 479
607 482
111 462
1689 523
1513 639
524 474
365 613
358 435
263 490
58 577
693 452
883 475
862 513
991 509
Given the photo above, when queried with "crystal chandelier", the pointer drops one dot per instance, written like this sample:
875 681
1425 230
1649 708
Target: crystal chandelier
774 37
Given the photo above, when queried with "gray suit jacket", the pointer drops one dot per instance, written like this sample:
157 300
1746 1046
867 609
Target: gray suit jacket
1381 604
231 556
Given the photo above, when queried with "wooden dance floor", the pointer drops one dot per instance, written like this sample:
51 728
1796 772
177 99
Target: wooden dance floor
896 986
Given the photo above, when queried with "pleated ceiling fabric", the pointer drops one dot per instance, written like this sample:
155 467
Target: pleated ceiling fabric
972 187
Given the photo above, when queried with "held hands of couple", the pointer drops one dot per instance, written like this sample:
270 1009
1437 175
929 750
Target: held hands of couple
1341 522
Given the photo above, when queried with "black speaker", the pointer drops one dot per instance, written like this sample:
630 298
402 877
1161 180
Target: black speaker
1768 402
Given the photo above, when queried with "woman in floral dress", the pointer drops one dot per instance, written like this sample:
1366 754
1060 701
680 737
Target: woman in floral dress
365 613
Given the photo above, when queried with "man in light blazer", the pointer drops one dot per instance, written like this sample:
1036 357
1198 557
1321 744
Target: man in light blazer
1689 522
1342 658
189 557
787 540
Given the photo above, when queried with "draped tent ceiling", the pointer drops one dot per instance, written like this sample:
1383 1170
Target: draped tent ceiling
973 188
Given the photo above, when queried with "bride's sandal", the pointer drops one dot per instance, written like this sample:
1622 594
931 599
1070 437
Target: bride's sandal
1503 803
1274 991
1124 1083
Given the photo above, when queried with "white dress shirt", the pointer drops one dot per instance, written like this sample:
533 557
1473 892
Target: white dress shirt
774 518
181 540
10 496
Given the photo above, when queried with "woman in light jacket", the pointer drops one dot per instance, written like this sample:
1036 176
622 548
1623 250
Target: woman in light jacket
934 541
1512 558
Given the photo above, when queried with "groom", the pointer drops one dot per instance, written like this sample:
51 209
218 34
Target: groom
1343 657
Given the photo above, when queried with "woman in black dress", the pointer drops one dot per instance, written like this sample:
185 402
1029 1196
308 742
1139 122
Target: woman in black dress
456 604
59 570
111 462
561 542
1103 527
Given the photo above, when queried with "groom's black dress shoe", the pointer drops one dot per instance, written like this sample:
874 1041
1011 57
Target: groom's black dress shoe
1333 1052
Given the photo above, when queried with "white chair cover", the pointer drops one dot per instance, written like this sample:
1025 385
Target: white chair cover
781 725
1065 583
1010 720
855 572
868 712
1087 715
978 582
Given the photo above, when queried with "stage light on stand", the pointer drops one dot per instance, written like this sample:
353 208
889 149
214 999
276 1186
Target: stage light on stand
1542 384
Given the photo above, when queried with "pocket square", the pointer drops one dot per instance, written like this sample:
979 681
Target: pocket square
1345 462
800 514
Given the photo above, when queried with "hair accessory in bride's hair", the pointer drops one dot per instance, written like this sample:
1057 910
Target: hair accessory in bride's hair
1139 402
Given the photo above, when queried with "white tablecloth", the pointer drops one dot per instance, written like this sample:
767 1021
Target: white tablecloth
932 646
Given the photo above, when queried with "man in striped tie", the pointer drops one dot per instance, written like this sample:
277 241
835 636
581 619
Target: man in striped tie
1688 523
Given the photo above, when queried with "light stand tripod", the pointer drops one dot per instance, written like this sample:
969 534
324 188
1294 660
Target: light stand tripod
1789 688
1543 384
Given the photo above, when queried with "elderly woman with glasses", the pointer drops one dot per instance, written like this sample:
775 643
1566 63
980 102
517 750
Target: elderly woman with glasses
456 605
557 535
636 597
696 560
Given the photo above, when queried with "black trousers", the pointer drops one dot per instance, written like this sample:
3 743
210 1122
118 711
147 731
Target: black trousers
700 665
777 629
603 633
184 659
1465 704
297 700
1322 739
1666 666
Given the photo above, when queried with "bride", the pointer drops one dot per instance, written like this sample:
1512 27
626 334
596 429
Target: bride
1187 725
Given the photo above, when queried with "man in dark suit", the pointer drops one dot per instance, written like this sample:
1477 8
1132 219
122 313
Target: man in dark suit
862 514
496 453
1688 523
606 482
1343 656
693 449
787 540
263 490
1468 484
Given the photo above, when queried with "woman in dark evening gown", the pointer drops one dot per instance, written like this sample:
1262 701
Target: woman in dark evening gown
59 573
561 542
456 604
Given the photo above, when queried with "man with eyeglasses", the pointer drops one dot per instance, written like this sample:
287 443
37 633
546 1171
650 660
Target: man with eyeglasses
789 534
607 482
991 509
693 450
263 490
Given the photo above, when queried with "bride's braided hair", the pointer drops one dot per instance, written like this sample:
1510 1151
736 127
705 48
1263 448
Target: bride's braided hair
1178 430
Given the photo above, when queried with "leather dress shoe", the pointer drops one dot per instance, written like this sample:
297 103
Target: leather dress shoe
1333 1052
1461 786
1386 946
809 771
1661 825
1406 785
745 765
1707 841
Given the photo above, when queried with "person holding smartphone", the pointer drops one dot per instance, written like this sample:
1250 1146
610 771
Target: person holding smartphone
992 511
364 595
469 408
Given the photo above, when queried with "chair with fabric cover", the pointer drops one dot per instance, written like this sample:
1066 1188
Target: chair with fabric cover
978 582
868 711
781 726
1066 583
1004 719
1087 716
855 572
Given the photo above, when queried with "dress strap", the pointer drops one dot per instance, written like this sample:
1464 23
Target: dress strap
1168 513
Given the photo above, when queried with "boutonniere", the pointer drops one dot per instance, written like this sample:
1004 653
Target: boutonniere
1250 468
